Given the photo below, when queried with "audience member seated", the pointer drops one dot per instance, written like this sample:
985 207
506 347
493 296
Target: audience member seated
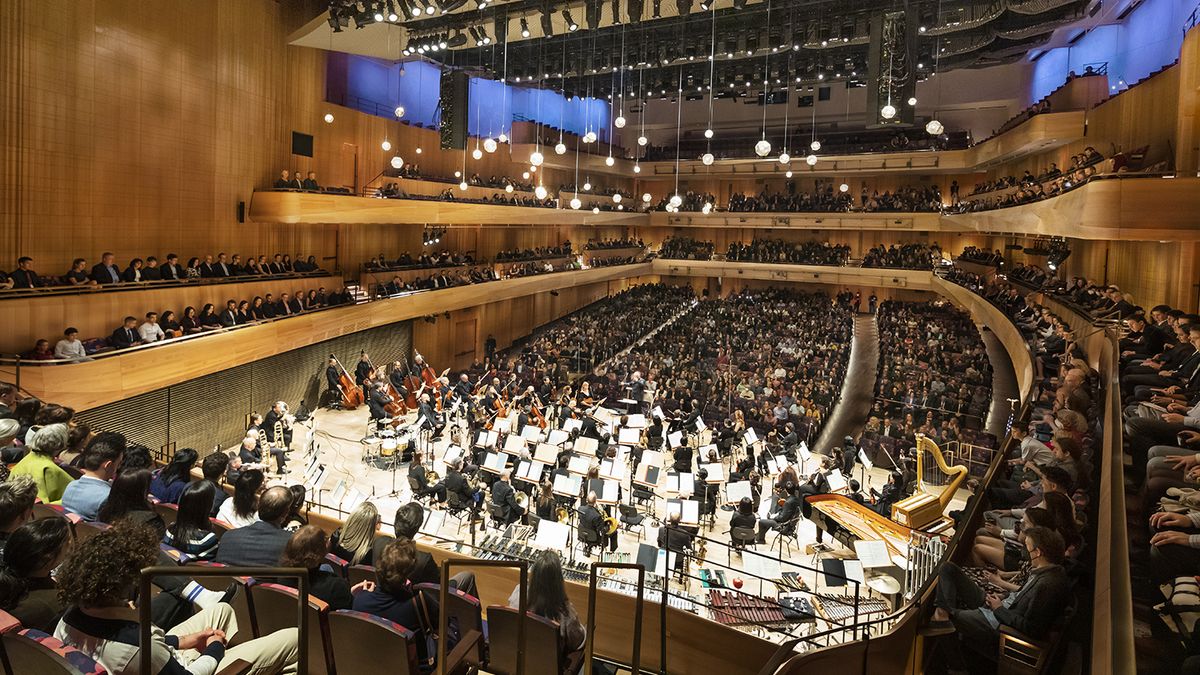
41 464
260 543
685 248
192 531
100 576
170 482
780 251
129 499
354 541
306 549
27 589
546 596
905 256
99 464
241 510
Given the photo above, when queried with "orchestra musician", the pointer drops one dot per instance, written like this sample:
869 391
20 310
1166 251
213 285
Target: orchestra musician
637 387
892 493
505 497
462 393
583 398
724 439
675 538
789 441
782 513
377 400
417 473
817 484
591 518
458 490
683 457
744 515
428 418
363 370
705 493
546 506
397 378
279 445
332 374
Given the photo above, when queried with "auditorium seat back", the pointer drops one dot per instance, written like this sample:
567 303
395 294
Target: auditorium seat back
86 529
541 642
274 608
357 574
362 643
168 512
32 651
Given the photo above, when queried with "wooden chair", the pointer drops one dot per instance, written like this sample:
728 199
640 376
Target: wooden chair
339 566
1020 654
363 643
540 635
32 651
274 608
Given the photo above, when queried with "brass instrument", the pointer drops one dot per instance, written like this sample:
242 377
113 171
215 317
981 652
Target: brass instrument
522 499
924 508
609 524
561 515
701 551
432 476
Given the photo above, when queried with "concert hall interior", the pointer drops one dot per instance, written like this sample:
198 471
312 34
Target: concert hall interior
749 337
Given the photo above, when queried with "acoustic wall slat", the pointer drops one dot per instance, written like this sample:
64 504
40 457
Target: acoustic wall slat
209 411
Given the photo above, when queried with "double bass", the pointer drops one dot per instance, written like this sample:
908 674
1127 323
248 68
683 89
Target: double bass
396 408
352 394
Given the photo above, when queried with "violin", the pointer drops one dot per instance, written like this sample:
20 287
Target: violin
352 394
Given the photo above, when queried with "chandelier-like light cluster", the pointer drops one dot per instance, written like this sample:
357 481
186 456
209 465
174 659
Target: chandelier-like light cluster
619 122
328 118
811 160
386 145
642 140
887 112
397 162
477 153
784 158
399 111
561 148
609 161
815 146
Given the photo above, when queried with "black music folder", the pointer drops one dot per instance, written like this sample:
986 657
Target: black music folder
834 571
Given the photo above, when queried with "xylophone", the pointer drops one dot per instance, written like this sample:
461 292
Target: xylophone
736 609
840 608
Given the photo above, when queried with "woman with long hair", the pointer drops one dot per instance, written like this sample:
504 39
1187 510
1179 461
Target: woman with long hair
174 477
352 542
307 549
242 509
27 591
547 597
296 518
190 323
130 498
192 530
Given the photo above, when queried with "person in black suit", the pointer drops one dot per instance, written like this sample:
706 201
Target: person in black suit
705 493
284 181
675 538
637 388
207 269
333 375
171 270
24 276
295 183
592 520
221 267
279 442
377 400
105 272
229 314
504 496
416 472
459 493
236 269
294 305
151 271
892 493
261 543
127 335
310 183
781 515
683 457
362 370
428 418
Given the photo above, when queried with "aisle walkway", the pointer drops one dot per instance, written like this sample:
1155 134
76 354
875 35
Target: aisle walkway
1004 384
858 391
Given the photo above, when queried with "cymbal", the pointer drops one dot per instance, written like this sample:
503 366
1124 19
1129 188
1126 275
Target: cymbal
883 583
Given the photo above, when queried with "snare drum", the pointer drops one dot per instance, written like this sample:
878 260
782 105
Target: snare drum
388 448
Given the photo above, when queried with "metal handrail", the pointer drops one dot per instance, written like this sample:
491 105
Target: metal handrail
148 574
589 644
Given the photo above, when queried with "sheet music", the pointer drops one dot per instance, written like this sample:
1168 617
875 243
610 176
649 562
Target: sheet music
612 470
837 482
572 425
764 507
495 461
649 474
551 535
872 553
566 485
652 457
531 432
514 444
629 436
772 465
353 500
487 439
700 424
434 519
761 566
502 425
453 452
578 464
854 570
675 439
586 445
689 510
636 421
557 436
339 493
750 436
805 453
546 453
864 460
319 483
734 492
657 412
716 473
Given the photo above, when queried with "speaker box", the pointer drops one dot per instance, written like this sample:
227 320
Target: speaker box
454 106
241 212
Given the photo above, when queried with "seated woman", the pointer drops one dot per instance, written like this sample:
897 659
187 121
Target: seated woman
101 575
192 530
129 498
190 322
27 591
352 542
744 516
170 324
242 509
307 549
243 313
192 270
257 311
174 477
297 517
41 464
546 596
208 318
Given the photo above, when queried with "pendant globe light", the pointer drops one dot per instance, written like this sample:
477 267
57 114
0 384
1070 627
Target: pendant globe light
763 147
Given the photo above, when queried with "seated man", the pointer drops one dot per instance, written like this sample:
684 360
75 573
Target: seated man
504 496
262 542
127 335
592 520
782 514
676 539
416 472
406 524
963 606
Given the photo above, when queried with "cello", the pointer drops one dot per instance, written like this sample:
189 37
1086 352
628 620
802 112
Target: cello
413 384
396 408
352 394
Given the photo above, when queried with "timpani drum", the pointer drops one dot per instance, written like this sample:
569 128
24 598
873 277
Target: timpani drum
387 449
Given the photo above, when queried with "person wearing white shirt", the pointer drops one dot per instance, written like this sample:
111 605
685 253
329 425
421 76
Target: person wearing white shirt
228 514
70 347
150 330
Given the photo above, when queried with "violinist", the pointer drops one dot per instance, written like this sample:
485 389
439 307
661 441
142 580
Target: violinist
445 393
523 417
744 466
583 398
463 390
363 370
784 512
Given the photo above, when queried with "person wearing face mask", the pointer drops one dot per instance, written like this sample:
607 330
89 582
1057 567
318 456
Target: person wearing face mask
963 607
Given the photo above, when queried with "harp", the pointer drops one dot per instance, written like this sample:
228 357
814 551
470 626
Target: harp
924 508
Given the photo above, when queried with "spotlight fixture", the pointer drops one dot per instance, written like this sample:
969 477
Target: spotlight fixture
707 159
815 146
571 25
399 111
386 145
844 188
456 40
811 160
762 148
536 158
560 148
